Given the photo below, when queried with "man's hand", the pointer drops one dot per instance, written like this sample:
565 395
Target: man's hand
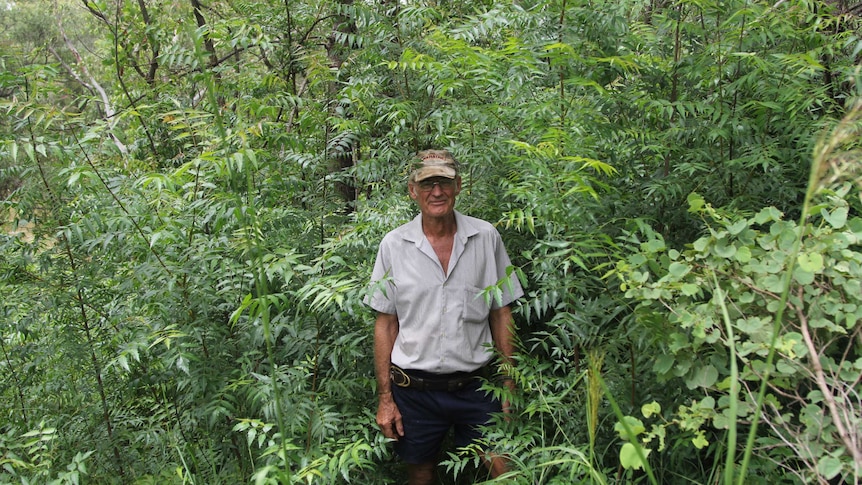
509 384
389 417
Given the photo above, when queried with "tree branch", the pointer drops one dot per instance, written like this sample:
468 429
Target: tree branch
851 442
92 85
201 22
154 45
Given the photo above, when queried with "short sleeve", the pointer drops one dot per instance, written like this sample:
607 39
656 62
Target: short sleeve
381 292
511 289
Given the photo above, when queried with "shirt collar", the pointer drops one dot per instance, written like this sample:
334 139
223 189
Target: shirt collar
414 234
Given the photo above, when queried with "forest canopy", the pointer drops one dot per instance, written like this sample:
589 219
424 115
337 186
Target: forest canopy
193 193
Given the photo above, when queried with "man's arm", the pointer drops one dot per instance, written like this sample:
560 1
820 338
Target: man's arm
503 333
388 416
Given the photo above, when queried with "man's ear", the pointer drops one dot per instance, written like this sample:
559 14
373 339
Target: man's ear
411 189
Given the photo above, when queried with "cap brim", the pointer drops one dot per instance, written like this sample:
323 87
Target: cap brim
428 172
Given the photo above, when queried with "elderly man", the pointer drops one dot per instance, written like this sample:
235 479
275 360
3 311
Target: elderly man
435 334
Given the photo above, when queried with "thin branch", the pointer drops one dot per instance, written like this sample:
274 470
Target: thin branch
85 323
92 85
209 46
18 388
825 389
295 111
90 6
121 205
154 45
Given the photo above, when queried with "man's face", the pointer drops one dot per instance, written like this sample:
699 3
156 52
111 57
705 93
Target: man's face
435 195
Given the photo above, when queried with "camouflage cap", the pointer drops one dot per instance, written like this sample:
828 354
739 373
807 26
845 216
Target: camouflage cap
434 163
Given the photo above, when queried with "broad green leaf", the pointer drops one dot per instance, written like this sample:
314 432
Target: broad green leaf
837 218
650 409
629 458
743 254
690 289
706 403
810 262
803 277
635 425
678 270
700 441
737 227
724 249
663 363
655 245
769 214
751 325
704 376
772 283
829 467
695 202
701 244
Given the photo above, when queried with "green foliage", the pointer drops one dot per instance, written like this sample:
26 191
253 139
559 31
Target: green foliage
29 458
809 407
192 202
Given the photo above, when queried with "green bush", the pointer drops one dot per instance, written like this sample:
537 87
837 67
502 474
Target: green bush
715 311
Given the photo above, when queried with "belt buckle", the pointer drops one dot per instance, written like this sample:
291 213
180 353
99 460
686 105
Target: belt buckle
399 377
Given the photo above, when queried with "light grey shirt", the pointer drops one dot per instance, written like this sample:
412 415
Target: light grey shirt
443 318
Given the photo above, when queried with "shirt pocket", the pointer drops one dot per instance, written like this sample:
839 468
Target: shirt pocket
475 308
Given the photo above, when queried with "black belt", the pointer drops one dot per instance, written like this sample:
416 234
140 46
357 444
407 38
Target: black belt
447 382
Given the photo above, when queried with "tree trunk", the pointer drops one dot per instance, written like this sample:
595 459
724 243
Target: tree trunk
344 146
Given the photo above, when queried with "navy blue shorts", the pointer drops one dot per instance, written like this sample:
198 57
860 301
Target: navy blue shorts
428 415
